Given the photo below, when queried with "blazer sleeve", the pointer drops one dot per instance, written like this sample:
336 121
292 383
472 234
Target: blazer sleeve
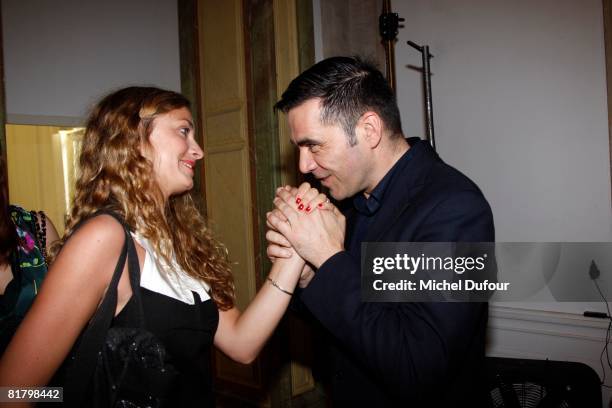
410 346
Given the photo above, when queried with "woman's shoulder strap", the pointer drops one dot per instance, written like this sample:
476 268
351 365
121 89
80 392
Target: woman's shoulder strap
113 214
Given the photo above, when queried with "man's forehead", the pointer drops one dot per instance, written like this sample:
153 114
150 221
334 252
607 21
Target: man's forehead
305 124
309 109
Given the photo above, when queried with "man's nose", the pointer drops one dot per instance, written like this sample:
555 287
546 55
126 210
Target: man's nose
307 163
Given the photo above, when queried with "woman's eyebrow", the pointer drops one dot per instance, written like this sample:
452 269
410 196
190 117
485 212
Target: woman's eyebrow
189 122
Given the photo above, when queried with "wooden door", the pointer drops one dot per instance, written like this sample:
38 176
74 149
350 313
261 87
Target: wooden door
227 169
247 54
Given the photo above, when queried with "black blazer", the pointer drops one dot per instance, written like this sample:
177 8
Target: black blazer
407 354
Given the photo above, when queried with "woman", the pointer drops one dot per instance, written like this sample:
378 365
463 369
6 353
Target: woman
25 238
137 160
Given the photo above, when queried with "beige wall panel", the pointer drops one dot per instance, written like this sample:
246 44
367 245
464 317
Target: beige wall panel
21 149
35 170
222 58
228 202
229 128
51 177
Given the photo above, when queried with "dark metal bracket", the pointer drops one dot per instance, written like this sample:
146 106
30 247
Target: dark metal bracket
388 25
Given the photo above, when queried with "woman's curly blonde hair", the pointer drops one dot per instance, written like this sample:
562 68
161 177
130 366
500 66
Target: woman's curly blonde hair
115 176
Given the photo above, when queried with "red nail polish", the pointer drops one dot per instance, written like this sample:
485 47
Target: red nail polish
298 200
320 205
301 207
308 209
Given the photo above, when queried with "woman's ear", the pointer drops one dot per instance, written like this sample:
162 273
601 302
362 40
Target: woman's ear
371 127
146 150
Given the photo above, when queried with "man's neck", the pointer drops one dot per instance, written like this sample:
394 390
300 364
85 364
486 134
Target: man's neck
385 161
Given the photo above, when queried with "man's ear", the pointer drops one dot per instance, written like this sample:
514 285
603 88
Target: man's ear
372 127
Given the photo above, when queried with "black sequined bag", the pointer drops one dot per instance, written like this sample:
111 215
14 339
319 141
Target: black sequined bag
119 366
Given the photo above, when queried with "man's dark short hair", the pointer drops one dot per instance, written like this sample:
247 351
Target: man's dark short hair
348 87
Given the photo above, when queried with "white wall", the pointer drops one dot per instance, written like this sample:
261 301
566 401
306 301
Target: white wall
519 96
519 99
60 56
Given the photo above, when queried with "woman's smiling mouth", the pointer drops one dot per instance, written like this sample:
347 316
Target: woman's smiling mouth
190 164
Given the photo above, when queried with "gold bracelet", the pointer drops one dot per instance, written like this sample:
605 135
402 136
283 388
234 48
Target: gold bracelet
277 286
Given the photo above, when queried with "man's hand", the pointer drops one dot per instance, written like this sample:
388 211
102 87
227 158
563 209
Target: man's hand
306 199
278 245
315 233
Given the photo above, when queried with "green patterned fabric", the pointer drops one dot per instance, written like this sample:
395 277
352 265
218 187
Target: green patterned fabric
29 269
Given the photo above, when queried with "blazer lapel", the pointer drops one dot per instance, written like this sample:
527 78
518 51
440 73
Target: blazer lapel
403 189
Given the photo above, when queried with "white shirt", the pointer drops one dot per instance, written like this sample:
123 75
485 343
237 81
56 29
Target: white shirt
169 280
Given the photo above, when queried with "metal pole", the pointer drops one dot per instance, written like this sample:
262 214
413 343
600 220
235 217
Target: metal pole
390 57
429 125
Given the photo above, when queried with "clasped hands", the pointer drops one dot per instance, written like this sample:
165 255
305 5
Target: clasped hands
304 220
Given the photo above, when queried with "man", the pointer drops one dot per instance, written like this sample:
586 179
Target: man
345 121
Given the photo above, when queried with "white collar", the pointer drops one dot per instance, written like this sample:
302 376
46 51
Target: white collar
169 279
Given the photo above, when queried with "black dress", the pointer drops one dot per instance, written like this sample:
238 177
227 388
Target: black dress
187 332
177 315
179 312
